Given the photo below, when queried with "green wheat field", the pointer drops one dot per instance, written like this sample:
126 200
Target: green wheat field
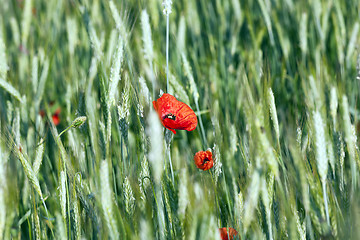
275 85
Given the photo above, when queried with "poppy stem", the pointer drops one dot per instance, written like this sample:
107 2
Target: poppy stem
168 136
167 53
215 191
201 124
171 167
227 196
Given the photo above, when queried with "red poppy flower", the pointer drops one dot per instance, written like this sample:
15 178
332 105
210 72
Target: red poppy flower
55 116
174 114
224 233
203 160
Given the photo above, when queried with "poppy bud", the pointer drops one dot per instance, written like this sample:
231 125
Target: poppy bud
174 114
203 160
78 122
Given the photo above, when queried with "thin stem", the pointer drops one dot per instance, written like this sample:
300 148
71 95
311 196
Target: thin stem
64 130
227 196
29 225
168 137
201 124
68 204
153 80
167 53
171 167
167 90
325 201
215 190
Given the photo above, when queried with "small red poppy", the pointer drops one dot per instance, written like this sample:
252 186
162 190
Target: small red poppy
55 116
174 114
224 234
203 160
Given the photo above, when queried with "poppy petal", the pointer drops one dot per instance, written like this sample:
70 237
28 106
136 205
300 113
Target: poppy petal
224 233
172 130
174 114
56 119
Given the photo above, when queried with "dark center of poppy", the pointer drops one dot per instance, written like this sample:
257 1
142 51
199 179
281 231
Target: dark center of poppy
205 161
170 116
